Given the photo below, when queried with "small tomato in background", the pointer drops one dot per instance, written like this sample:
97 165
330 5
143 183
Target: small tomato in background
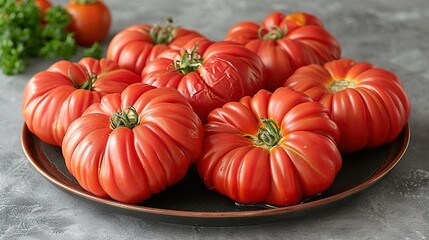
137 45
57 96
91 20
368 104
209 74
286 42
275 148
133 144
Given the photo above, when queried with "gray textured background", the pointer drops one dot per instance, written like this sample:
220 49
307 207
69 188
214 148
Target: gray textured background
392 34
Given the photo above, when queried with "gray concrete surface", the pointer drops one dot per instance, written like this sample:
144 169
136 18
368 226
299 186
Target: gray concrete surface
392 34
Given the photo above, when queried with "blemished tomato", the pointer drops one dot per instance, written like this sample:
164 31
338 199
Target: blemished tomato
275 148
368 103
90 20
55 97
285 43
209 74
136 45
134 144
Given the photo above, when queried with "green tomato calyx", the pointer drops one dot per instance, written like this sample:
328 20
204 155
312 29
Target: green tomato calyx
190 61
275 33
269 134
127 118
339 85
88 85
163 34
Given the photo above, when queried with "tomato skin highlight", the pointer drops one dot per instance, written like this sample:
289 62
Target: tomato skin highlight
52 99
371 109
130 165
90 21
303 162
227 71
286 42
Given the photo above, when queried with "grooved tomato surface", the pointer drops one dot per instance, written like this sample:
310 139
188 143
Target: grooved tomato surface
285 43
55 97
209 74
274 148
368 103
135 46
129 164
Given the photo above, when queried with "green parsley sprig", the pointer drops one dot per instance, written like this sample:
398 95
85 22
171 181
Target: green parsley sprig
23 36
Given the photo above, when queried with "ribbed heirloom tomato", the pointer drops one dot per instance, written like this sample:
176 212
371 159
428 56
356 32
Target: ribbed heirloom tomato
55 97
136 45
368 103
274 148
132 145
209 74
285 43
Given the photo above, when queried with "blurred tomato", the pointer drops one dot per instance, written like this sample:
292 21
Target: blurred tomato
90 20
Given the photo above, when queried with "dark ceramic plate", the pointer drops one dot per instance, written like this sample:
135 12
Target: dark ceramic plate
189 202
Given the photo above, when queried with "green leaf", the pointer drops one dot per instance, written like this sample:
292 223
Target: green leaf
95 51
23 36
20 30
64 48
57 16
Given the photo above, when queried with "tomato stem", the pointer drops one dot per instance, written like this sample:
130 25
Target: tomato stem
88 85
163 35
339 85
190 61
127 118
275 33
269 134
84 2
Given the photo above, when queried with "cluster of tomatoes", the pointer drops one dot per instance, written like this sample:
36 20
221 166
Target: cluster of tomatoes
264 114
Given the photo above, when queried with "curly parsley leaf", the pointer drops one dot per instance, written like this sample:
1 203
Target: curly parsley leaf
20 29
57 41
24 36
95 51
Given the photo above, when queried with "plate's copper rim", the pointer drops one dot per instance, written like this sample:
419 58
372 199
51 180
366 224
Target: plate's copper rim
26 145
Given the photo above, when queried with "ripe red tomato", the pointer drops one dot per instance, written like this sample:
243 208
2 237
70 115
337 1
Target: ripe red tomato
209 74
286 43
57 96
134 144
90 20
274 148
368 104
139 44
